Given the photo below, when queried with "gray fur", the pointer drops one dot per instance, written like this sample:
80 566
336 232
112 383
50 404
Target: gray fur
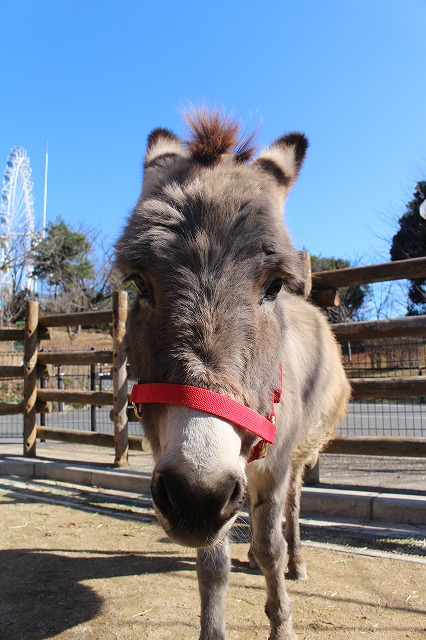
208 240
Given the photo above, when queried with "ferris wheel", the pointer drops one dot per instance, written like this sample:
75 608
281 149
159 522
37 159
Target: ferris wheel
16 224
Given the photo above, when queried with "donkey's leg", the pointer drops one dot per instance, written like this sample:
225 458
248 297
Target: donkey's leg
252 560
269 550
213 568
296 564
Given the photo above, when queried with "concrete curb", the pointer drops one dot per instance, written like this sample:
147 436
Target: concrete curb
399 508
358 505
136 482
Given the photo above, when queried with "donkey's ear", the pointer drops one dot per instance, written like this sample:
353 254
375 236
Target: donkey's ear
163 145
284 158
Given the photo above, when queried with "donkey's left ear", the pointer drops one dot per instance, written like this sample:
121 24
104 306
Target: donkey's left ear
284 158
163 144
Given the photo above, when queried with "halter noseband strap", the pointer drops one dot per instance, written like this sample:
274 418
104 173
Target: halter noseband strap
214 403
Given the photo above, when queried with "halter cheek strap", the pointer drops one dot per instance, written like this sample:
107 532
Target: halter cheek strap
213 403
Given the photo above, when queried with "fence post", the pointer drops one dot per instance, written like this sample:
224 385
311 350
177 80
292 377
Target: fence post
61 385
30 378
92 388
119 378
42 415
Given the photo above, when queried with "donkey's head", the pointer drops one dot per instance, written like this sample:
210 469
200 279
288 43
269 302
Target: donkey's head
212 262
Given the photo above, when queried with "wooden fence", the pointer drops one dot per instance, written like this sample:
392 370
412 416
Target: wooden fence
324 288
35 365
325 285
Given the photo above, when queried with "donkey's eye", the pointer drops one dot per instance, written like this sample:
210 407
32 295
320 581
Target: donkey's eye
142 286
272 290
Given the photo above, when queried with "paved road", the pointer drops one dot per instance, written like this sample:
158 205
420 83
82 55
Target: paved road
363 419
383 419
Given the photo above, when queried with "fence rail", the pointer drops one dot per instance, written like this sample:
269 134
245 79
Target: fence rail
11 408
85 318
135 443
11 371
354 276
11 334
75 357
397 387
378 446
379 329
36 365
75 397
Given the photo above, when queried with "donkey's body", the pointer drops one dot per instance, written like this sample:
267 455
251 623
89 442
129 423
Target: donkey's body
217 309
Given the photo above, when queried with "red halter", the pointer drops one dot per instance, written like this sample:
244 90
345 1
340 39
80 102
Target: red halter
214 403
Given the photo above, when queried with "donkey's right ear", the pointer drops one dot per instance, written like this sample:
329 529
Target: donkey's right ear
283 159
163 145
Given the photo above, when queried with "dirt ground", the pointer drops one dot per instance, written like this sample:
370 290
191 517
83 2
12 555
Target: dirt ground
107 572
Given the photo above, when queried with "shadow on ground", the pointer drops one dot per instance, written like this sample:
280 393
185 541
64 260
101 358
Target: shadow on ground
42 592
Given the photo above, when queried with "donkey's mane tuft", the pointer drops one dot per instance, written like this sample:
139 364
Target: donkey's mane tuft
212 134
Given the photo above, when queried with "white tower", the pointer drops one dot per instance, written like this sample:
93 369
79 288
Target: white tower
16 225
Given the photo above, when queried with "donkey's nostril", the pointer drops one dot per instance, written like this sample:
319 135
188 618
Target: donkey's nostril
236 494
235 501
162 493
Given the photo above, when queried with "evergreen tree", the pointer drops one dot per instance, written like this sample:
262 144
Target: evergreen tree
71 280
351 298
61 259
410 242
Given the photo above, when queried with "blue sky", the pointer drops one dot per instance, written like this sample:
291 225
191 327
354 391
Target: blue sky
93 77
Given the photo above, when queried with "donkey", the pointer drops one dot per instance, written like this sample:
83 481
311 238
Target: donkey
222 343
